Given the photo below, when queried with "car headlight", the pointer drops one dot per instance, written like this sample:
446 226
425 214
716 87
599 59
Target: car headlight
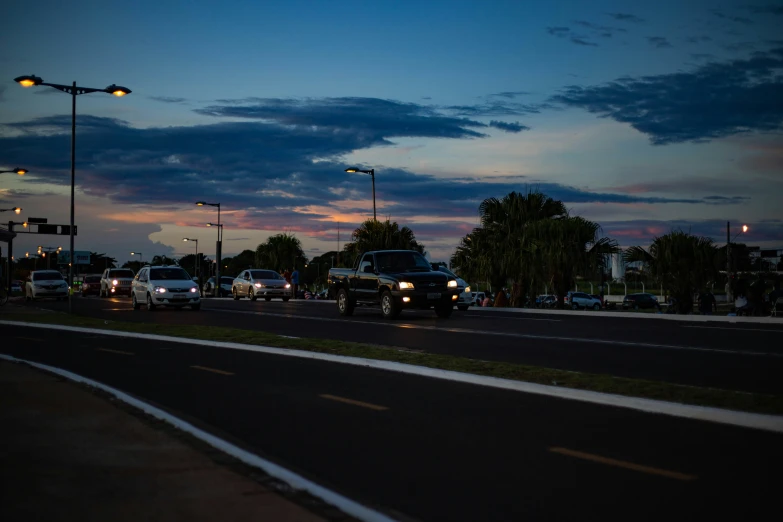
288 285
453 283
115 282
259 285
194 289
406 286
160 290
467 289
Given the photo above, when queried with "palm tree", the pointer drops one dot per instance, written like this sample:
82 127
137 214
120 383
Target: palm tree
683 263
279 252
382 235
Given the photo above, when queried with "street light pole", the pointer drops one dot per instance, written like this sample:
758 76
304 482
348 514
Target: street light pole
219 247
198 265
729 240
73 90
137 254
371 172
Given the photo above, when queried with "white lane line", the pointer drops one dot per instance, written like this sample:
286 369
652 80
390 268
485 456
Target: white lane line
516 334
289 337
296 481
717 415
737 329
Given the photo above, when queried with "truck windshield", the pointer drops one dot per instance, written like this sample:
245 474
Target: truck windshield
402 262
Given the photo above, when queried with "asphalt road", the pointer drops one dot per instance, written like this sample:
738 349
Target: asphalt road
745 357
434 450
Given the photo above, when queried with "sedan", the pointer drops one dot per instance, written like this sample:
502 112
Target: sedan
255 283
46 283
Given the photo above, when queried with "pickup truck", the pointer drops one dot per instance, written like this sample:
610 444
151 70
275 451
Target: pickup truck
394 280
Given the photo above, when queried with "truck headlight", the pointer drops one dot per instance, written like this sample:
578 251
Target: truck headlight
288 285
453 283
194 289
467 289
406 286
115 282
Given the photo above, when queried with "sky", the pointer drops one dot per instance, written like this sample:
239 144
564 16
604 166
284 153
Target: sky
645 117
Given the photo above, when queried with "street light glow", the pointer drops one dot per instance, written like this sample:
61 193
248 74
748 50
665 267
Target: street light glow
201 203
744 228
117 90
17 210
351 170
28 81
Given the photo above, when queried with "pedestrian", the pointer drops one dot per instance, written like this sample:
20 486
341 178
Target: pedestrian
295 282
707 303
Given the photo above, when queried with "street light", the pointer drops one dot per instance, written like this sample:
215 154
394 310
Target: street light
73 90
17 170
729 240
219 247
371 172
16 210
198 268
137 254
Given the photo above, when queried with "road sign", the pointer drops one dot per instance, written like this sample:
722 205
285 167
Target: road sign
37 220
82 257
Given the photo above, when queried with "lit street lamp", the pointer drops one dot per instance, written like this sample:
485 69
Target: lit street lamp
137 254
198 268
729 240
15 210
73 90
17 170
371 172
219 247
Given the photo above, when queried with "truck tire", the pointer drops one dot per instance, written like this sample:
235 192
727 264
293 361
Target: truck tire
344 304
463 308
390 308
444 310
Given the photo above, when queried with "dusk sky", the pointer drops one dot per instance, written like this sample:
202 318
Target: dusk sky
642 116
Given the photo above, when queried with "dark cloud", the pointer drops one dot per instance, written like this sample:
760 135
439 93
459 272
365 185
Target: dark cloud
698 39
167 99
510 94
494 109
713 101
659 42
508 127
737 19
566 33
774 9
371 119
702 56
626 17
725 200
740 46
603 31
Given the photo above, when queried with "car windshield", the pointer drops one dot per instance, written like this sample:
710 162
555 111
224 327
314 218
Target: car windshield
265 274
170 274
92 279
226 280
46 276
402 262
121 273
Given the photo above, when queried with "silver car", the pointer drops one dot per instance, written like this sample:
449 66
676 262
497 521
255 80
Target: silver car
255 283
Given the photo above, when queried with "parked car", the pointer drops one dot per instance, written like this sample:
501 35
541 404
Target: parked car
16 287
478 298
465 299
225 286
91 285
164 286
394 280
639 301
46 283
582 300
255 283
116 281
546 301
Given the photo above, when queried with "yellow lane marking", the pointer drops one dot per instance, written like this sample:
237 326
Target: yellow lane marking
30 339
355 403
115 351
622 464
213 370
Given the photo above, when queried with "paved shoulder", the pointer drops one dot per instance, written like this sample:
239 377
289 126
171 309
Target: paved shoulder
69 454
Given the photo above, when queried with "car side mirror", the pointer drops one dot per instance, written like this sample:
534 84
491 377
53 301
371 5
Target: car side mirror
369 269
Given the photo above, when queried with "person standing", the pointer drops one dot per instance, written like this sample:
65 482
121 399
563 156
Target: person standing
295 282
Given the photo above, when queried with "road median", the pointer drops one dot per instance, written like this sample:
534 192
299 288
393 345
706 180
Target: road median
608 384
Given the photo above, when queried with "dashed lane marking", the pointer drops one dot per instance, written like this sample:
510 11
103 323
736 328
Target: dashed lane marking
115 351
213 370
353 402
622 464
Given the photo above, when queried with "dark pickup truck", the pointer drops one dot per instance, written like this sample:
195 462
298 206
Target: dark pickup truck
395 280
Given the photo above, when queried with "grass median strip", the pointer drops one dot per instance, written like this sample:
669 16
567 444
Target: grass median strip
733 400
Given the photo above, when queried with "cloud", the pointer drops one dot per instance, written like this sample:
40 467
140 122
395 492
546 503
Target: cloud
371 119
774 9
642 232
702 56
2 92
725 200
698 39
603 31
659 42
566 33
713 101
737 19
167 99
508 127
740 46
511 94
626 17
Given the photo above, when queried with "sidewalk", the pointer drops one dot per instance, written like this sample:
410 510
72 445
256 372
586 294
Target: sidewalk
69 454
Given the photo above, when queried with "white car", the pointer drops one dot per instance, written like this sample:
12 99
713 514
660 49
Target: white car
46 283
582 300
164 286
465 299
255 283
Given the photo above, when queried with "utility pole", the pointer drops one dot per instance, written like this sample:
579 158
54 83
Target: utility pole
729 289
338 243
